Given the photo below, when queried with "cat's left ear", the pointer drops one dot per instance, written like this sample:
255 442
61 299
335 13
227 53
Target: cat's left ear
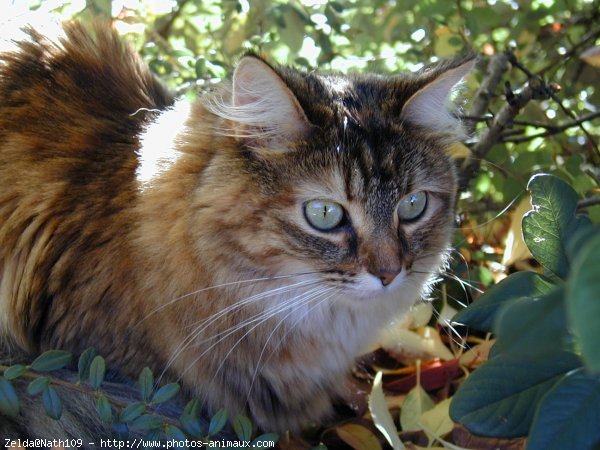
430 106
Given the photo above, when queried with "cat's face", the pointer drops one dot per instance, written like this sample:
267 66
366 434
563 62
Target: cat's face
345 185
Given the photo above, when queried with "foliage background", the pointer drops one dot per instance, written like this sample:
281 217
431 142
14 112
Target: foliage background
194 44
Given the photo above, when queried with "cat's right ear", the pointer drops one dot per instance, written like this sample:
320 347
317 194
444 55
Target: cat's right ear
263 109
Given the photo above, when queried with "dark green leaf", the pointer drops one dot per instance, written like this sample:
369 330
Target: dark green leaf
97 371
9 401
38 385
545 227
192 408
104 410
583 302
165 393
192 426
481 313
175 434
146 382
268 437
568 416
242 427
52 403
217 422
145 422
51 360
83 365
15 371
120 431
132 411
500 398
580 232
533 326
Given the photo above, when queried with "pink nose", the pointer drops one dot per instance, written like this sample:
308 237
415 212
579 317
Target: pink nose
387 276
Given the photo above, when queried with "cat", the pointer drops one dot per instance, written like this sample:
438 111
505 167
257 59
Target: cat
249 245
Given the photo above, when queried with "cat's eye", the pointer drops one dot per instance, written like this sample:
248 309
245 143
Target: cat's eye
324 215
411 206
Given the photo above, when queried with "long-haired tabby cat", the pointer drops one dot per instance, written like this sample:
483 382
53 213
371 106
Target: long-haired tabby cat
250 245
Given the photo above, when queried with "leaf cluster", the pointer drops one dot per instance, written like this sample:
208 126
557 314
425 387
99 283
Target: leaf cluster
543 375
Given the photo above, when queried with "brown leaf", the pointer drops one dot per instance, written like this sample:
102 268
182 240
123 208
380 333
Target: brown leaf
592 56
434 375
463 438
358 437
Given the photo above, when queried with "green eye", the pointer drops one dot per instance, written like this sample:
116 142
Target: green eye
324 215
411 206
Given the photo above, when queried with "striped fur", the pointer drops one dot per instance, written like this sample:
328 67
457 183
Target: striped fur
203 267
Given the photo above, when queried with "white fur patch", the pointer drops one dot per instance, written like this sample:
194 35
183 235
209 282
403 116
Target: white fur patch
157 152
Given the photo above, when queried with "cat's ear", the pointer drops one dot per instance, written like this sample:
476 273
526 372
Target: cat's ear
264 109
430 106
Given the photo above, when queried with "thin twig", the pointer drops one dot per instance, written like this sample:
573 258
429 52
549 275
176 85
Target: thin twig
589 37
550 129
586 203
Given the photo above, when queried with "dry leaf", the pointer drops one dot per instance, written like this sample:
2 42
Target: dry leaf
436 422
476 355
592 56
515 248
421 343
381 415
358 437
458 150
416 403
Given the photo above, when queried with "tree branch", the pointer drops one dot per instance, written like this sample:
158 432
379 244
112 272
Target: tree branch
550 129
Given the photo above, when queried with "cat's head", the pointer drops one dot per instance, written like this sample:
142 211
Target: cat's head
343 176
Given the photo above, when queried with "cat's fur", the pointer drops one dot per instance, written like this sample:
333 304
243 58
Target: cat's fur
133 223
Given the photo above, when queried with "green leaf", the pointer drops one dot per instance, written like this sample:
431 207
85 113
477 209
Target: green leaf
533 326
15 371
97 371
271 438
120 431
545 227
52 403
38 385
9 401
83 365
583 302
165 393
146 382
104 410
499 398
145 422
132 412
192 426
568 416
242 427
217 422
175 434
51 360
192 408
482 312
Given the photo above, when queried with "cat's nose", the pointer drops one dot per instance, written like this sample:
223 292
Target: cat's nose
387 276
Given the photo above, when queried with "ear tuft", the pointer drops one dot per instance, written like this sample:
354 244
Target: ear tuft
263 108
430 106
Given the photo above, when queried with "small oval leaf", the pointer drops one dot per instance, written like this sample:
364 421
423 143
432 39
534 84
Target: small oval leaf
145 382
97 371
175 434
83 366
9 401
132 412
104 410
14 371
217 422
192 408
192 426
145 422
38 385
242 427
51 360
52 403
165 393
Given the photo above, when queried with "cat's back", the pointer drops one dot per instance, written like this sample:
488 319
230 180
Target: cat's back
71 112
